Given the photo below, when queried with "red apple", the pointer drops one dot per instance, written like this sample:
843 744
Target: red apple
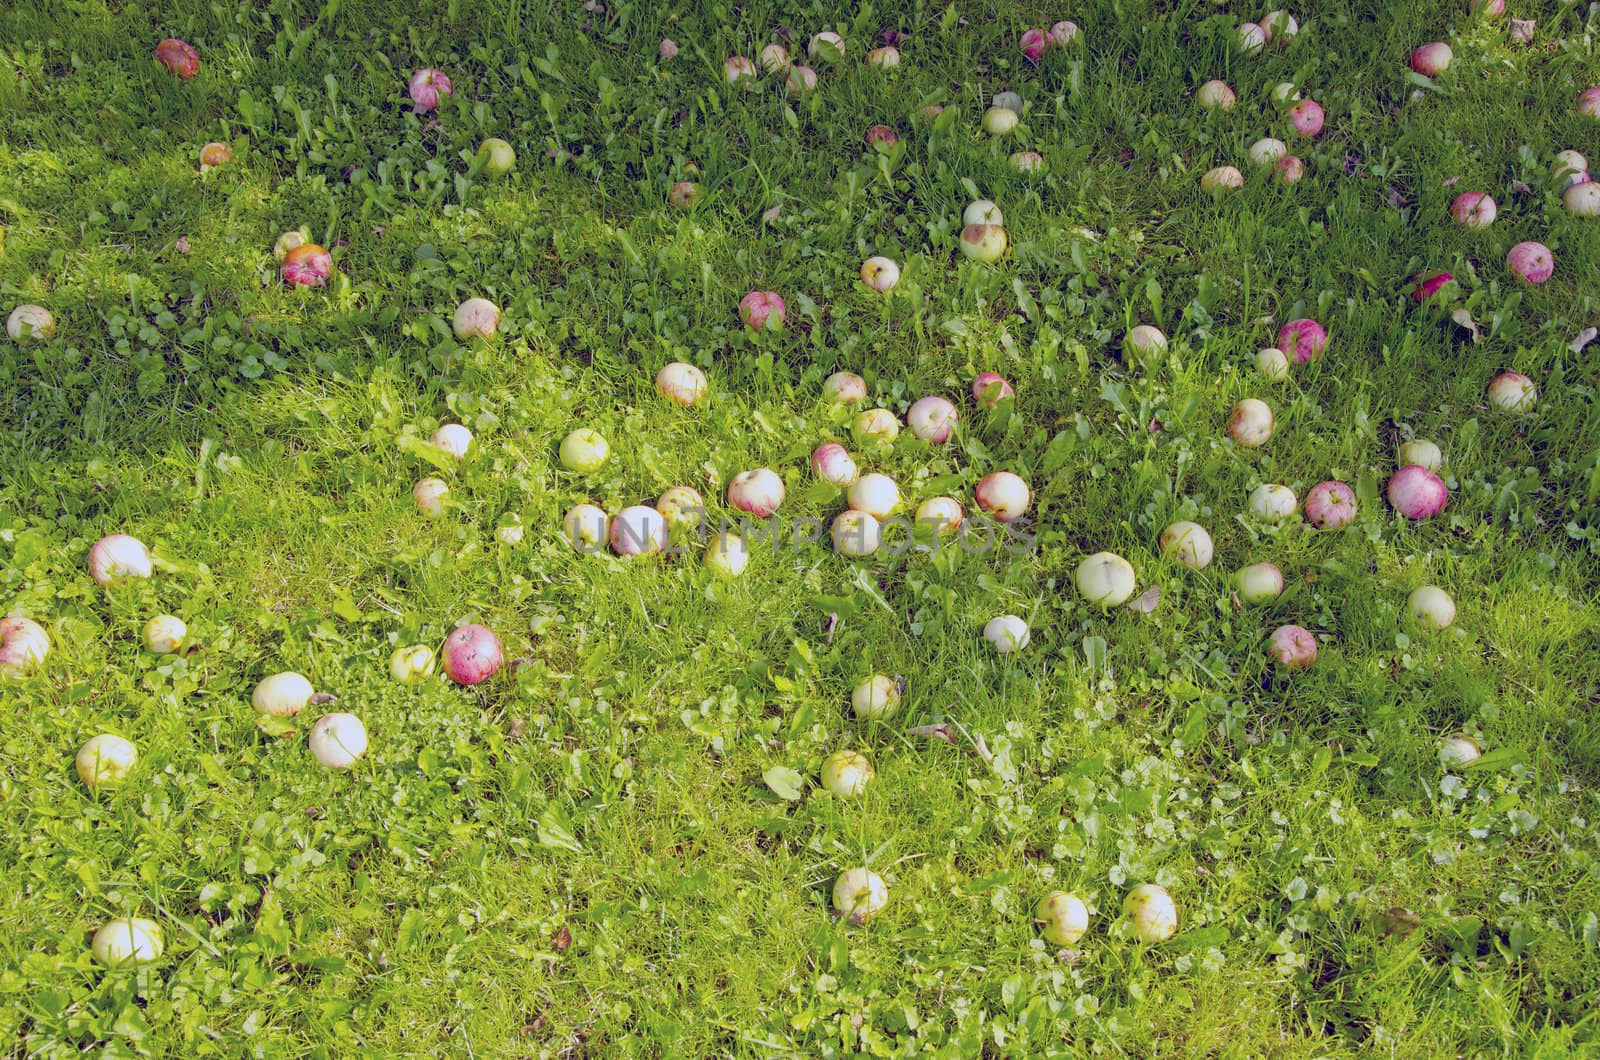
471 654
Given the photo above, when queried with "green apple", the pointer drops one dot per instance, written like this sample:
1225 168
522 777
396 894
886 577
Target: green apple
105 759
412 663
584 450
1062 918
498 156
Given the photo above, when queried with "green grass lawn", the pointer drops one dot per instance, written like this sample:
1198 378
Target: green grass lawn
581 856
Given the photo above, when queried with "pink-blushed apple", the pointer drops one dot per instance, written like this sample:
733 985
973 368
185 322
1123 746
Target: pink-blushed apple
982 212
875 494
105 760
453 438
282 695
876 696
1513 392
23 645
338 740
998 121
586 527
1583 199
1106 579
932 419
126 941
885 58
307 265
881 134
1417 493
1531 262
927 114
833 464
1302 340
726 555
1458 751
855 533
1007 634
1423 453
1289 169
426 86
989 389
429 496
1062 33
683 194
1428 286
1330 505
1258 583
179 57
289 240
1588 104
164 634
682 506
412 664
1003 495
1292 647
1032 44
847 773
941 515
584 450
1222 178
1267 151
758 492
476 318
1189 543
986 243
639 530
1251 423
1063 919
1431 606
738 71
498 156
1215 95
118 557
1474 209
774 58
761 309
880 273
1431 60
1279 27
1027 161
827 46
215 154
1273 503
681 383
844 388
800 80
876 427
1144 342
472 652
859 895
1250 38
1487 8
1152 912
1307 117
30 322
1273 364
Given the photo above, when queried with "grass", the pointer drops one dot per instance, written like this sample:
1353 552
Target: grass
580 857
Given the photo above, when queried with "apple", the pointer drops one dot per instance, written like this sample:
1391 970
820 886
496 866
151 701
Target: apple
281 695
943 515
827 45
1250 38
859 895
1474 209
105 760
833 464
1188 543
1032 43
1105 578
1251 423
681 383
982 212
1003 495
855 533
179 57
307 265
1417 493
638 530
682 506
880 273
1571 168
1151 909
726 555
118 557
1273 364
1423 453
932 419
774 58
989 389
1582 199
215 154
1292 647
1143 342
1428 286
986 243
876 427
1222 178
1290 169
1007 634
476 318
844 388
881 134
683 194
757 308
875 494
1267 151
164 634
1307 117
509 533
1272 503
127 940
1302 339
584 451
738 71
289 240
1330 505
1279 27
801 79
1431 606
1432 59
997 121
1513 392
1531 262
1062 918
472 652
1062 34
1588 104
454 439
1215 95
427 85
886 57
1284 92
877 696
23 645
758 492
847 773
585 527
1487 8
1258 583
412 664
1027 161
30 322
1458 751
498 156
429 496
338 740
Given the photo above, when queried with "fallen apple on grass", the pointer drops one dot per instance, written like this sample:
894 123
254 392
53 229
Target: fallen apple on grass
127 940
1432 607
989 389
998 121
164 634
1144 342
638 530
800 80
1417 492
833 464
1062 34
1423 453
941 515
883 135
117 557
1531 262
1588 104
1062 918
1251 422
859 895
1330 505
1222 178
682 506
1428 286
684 194
1027 161
875 494
498 156
932 419
877 696
1007 634
1189 543
429 496
1273 503
855 533
1474 209
476 318
1513 392
847 774
179 57
1292 647
1432 59
1032 44
1273 364
307 265
1458 751
1152 912
982 212
1289 169
1106 579
30 322
1280 27
24 644
1302 340
426 88
215 154
586 527
1267 151
1307 118
774 58
412 664
1582 200
1003 495
584 451
1250 38
1215 95
453 438
726 555
880 273
758 492
681 383
827 46
985 243
105 761
1258 583
885 58
282 695
472 654
876 427
338 740
844 388
759 308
